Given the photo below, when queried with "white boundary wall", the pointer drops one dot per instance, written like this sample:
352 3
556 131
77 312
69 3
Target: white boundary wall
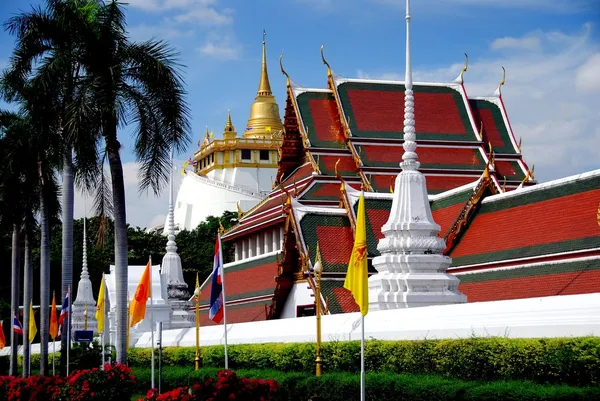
558 316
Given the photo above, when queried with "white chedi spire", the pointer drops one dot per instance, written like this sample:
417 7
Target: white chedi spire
171 269
84 304
411 268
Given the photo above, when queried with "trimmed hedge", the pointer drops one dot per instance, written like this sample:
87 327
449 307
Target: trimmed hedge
573 361
379 386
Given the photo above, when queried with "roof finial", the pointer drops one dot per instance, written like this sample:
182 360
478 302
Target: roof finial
409 158
498 90
325 62
171 245
264 87
459 79
229 124
287 81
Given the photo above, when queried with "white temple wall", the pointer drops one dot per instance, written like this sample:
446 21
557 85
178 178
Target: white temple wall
300 295
197 199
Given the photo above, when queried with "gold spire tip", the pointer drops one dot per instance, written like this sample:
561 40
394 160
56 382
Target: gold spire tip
264 87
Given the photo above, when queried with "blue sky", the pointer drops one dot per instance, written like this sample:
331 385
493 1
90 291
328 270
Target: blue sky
550 50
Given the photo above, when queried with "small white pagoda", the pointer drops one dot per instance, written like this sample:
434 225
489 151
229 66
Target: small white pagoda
411 268
84 306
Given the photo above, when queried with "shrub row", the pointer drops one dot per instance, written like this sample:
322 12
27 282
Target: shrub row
573 361
379 386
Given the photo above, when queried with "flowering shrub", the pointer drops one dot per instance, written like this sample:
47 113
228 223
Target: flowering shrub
33 388
227 386
113 383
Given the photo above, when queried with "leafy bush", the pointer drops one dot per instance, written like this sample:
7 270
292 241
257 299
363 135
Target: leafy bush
381 386
573 361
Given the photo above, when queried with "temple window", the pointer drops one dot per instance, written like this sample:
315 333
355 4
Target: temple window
246 154
264 155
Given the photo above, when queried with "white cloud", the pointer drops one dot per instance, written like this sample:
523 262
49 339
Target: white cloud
588 75
203 12
526 43
390 76
549 97
554 6
221 48
142 209
162 32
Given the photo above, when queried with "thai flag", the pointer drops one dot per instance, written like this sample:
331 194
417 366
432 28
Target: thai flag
216 290
17 326
64 311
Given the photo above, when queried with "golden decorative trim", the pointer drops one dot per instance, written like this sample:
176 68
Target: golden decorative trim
464 68
287 77
598 214
329 74
502 82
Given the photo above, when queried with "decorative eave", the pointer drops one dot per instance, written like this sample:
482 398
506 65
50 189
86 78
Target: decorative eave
292 150
292 263
484 186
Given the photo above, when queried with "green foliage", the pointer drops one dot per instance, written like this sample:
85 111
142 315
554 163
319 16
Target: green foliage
573 361
379 386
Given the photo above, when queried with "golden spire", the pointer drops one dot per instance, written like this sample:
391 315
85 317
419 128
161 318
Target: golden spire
264 118
229 132
264 87
229 124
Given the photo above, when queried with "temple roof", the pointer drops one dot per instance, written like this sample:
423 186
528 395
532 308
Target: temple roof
375 109
557 218
249 288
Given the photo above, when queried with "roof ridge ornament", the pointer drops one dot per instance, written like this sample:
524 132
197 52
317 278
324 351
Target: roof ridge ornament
459 79
288 81
498 91
329 73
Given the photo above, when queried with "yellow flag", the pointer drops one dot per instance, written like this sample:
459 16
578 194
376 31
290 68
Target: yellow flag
268 129
212 134
100 307
357 275
53 319
32 325
137 308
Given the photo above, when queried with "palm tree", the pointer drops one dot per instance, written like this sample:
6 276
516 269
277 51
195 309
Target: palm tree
47 39
126 82
22 165
117 82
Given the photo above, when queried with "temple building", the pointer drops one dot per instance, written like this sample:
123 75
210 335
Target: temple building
235 172
508 237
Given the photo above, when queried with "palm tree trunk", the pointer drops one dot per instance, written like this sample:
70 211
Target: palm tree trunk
67 243
44 284
121 269
14 299
27 295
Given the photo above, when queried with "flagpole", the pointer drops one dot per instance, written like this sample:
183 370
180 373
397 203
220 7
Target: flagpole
222 267
362 358
53 354
152 320
68 326
102 336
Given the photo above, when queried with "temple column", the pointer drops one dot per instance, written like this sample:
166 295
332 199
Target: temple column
251 247
244 245
275 239
238 246
258 243
281 237
266 241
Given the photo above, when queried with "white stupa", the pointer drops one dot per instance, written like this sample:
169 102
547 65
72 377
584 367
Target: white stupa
172 273
411 268
84 306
